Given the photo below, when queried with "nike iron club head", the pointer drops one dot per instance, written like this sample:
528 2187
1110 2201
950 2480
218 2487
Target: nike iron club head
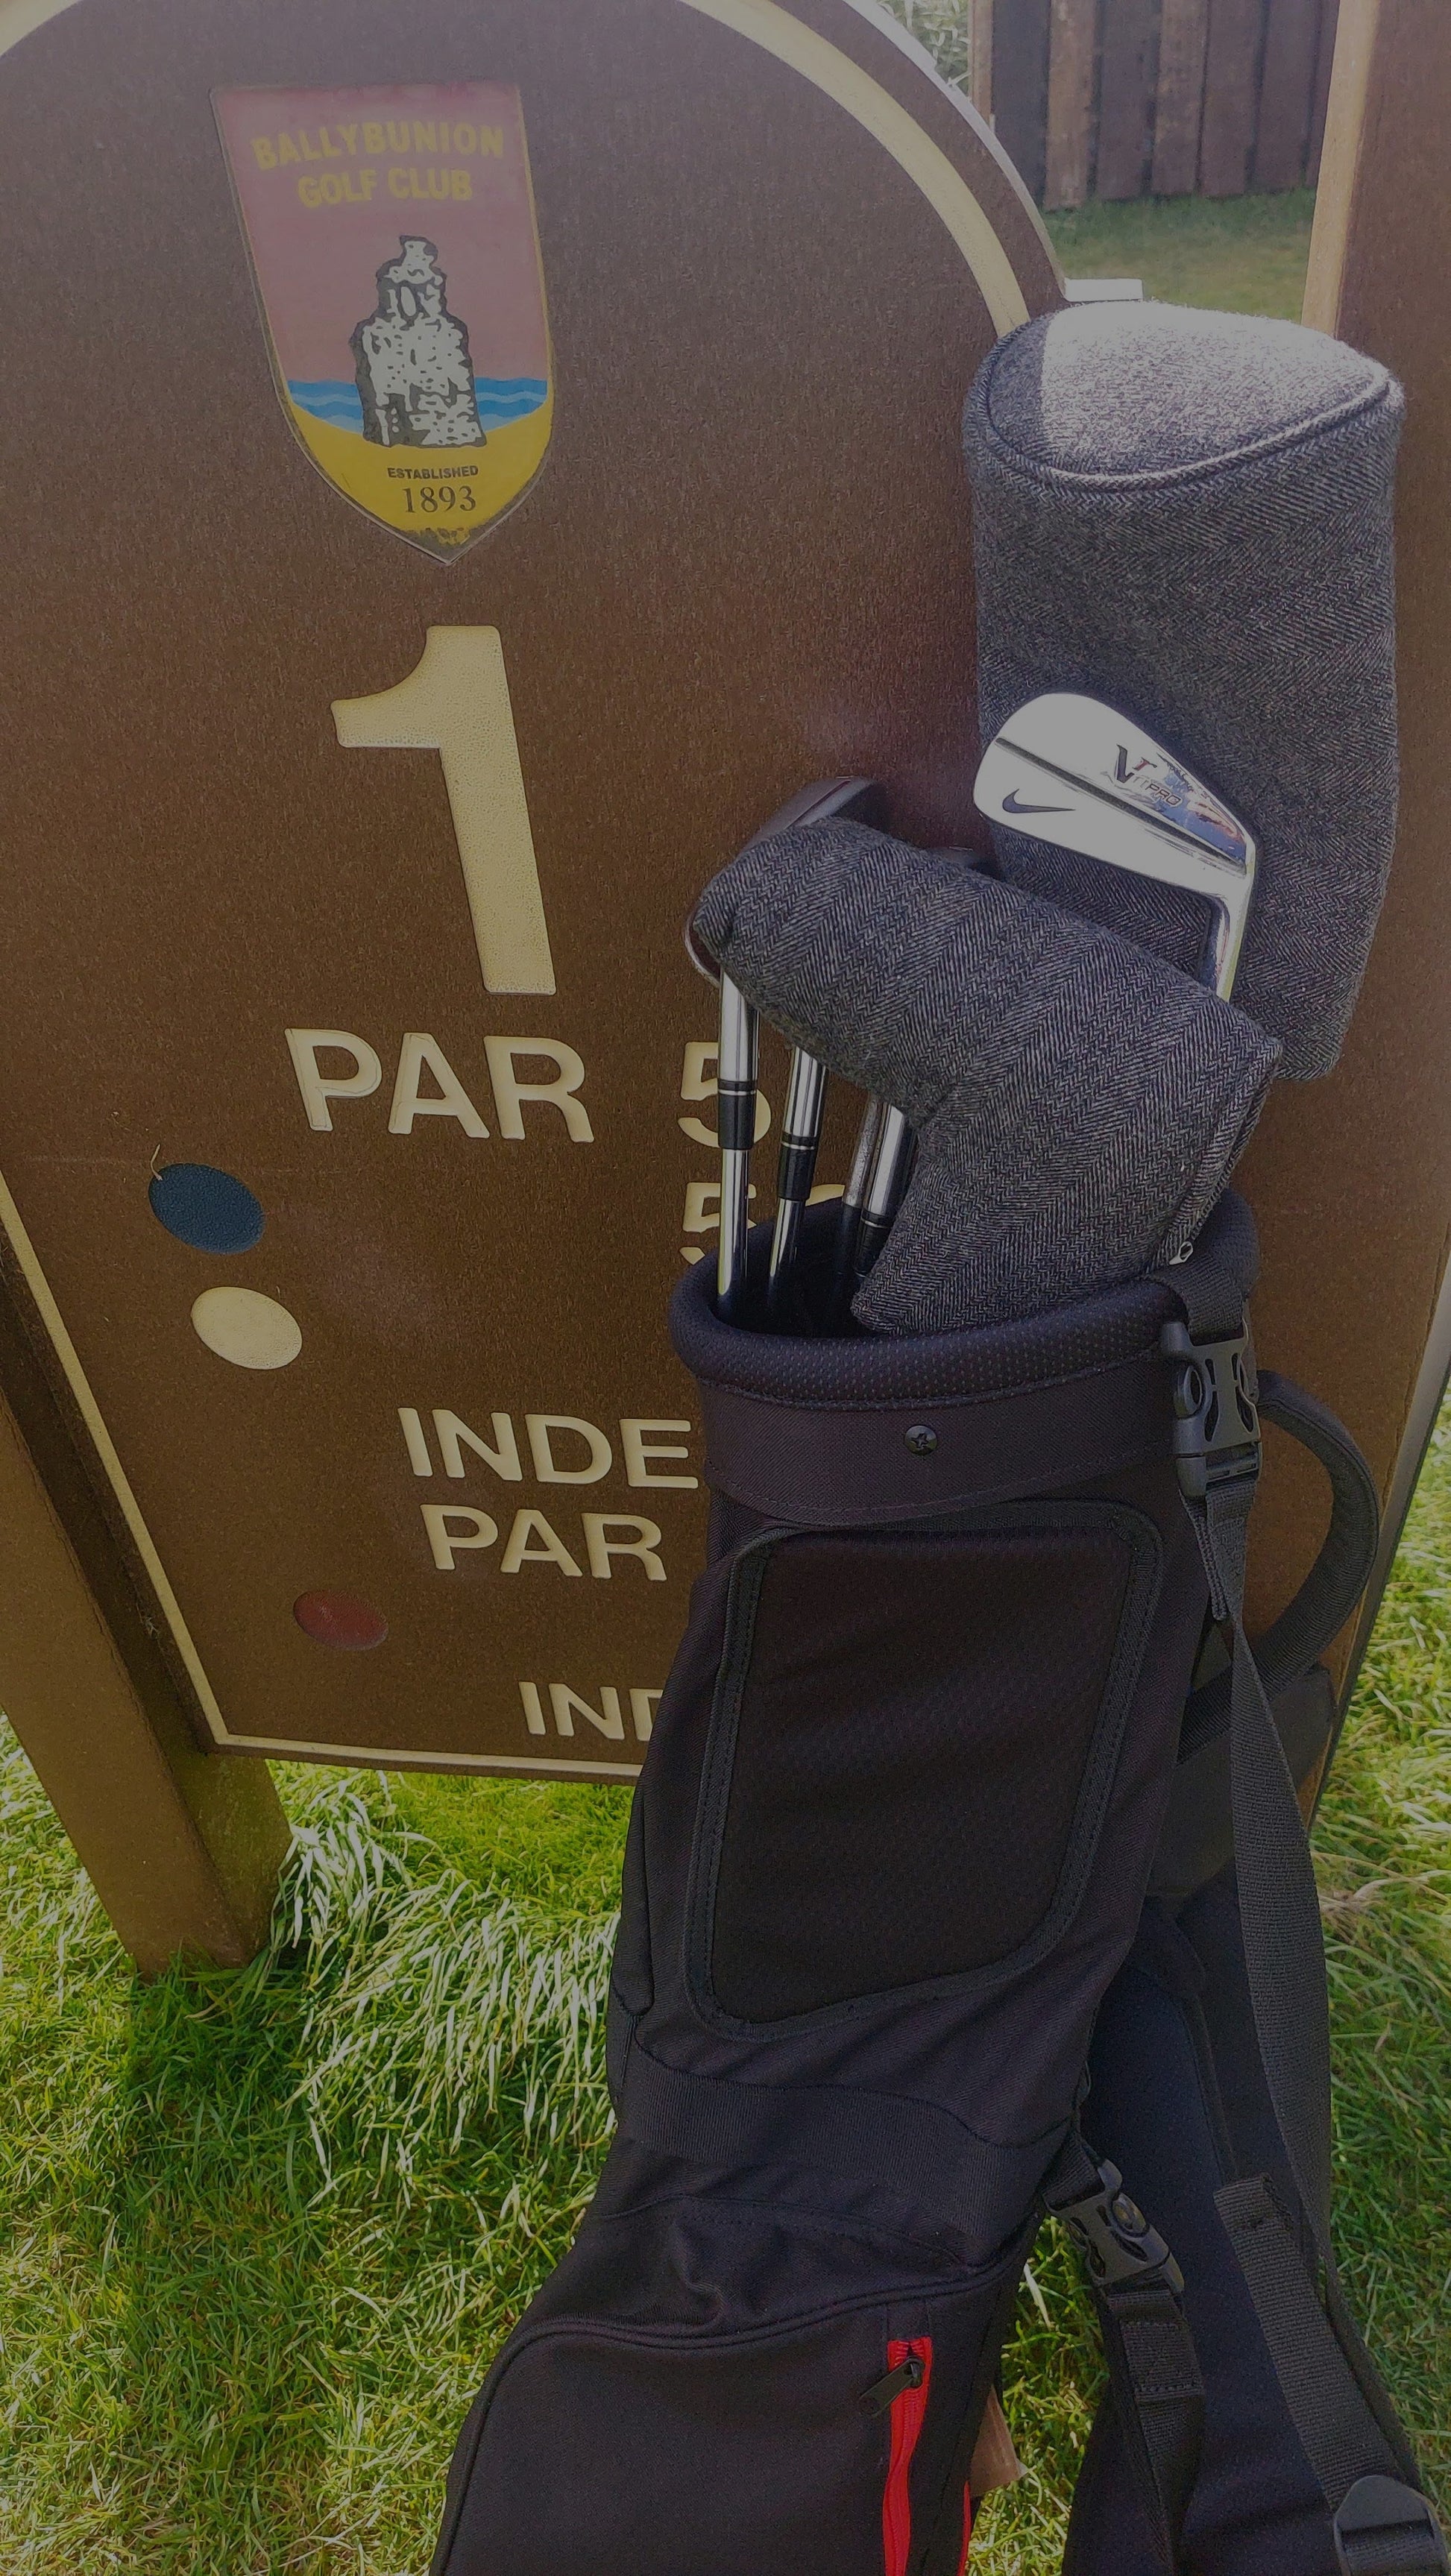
1068 769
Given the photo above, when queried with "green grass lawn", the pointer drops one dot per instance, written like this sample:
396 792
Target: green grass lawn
1243 254
261 2232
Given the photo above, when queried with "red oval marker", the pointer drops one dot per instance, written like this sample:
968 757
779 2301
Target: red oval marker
339 1619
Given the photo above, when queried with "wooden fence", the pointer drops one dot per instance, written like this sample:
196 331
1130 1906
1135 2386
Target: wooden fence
1165 98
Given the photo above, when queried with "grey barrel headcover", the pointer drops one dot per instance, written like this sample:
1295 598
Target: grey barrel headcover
1188 515
1078 1103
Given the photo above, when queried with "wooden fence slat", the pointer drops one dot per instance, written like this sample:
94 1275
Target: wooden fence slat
980 76
1179 110
1020 88
1329 21
1071 45
1231 91
1287 85
1126 96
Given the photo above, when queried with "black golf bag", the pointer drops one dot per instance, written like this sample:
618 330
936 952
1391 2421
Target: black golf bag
924 1837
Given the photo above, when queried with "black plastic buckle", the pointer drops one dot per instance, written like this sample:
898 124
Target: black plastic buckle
1386 2529
1216 1419
1114 2237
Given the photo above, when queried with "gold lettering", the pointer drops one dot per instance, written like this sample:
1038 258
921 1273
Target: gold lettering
463 138
397 183
606 1717
308 153
374 139
455 1528
461 186
330 150
287 149
310 191
491 140
266 157
425 138
397 136
550 1551
602 1547
349 134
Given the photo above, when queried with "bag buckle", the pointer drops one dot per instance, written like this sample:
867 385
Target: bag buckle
1216 1419
1114 2237
1386 2529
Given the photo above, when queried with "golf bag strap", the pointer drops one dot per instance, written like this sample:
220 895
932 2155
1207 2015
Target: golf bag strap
1346 2422
1137 2290
1299 1636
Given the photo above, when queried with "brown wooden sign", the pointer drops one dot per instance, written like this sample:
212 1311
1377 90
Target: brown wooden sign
460 474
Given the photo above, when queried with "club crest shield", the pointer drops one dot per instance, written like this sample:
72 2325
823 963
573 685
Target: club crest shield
393 244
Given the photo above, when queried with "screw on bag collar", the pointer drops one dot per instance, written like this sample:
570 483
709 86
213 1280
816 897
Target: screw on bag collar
1386 2529
1217 1424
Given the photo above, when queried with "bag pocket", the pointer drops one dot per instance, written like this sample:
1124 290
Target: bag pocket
912 1747
832 2445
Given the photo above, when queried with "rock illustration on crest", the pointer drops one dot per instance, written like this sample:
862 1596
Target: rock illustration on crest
415 374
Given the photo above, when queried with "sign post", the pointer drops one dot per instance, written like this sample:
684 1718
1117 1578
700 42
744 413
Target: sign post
469 476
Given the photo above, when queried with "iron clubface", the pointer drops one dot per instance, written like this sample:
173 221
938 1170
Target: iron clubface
1070 770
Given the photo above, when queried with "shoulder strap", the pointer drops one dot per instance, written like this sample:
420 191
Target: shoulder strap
1347 2425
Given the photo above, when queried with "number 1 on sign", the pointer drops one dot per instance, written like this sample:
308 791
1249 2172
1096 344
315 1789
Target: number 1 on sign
457 703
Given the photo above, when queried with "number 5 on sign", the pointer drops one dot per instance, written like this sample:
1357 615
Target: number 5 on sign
457 704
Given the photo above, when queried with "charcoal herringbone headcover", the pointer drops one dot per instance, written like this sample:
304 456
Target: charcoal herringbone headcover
1188 515
1078 1102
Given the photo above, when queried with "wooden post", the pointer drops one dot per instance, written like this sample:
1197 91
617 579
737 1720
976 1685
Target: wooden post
1126 108
1292 34
1179 110
1020 88
1071 36
1324 61
1380 277
182 1847
1231 89
980 72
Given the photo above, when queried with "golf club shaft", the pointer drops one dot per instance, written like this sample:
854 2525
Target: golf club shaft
795 1172
891 1167
736 1122
843 1258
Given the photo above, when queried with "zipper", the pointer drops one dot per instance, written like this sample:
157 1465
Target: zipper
904 2390
908 2374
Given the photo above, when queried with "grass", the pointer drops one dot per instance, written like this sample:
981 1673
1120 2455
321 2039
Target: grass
1243 254
261 2232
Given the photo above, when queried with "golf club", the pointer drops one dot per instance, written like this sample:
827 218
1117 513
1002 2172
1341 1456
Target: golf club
863 799
1069 770
844 1270
795 1171
736 1124
890 1171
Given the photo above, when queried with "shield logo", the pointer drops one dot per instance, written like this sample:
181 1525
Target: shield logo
394 248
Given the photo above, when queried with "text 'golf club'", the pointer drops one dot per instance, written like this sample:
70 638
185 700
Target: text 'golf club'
1067 769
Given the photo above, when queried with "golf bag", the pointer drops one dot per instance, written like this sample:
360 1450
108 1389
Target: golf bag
920 1752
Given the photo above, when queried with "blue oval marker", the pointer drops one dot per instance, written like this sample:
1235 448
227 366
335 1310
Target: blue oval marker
210 1210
